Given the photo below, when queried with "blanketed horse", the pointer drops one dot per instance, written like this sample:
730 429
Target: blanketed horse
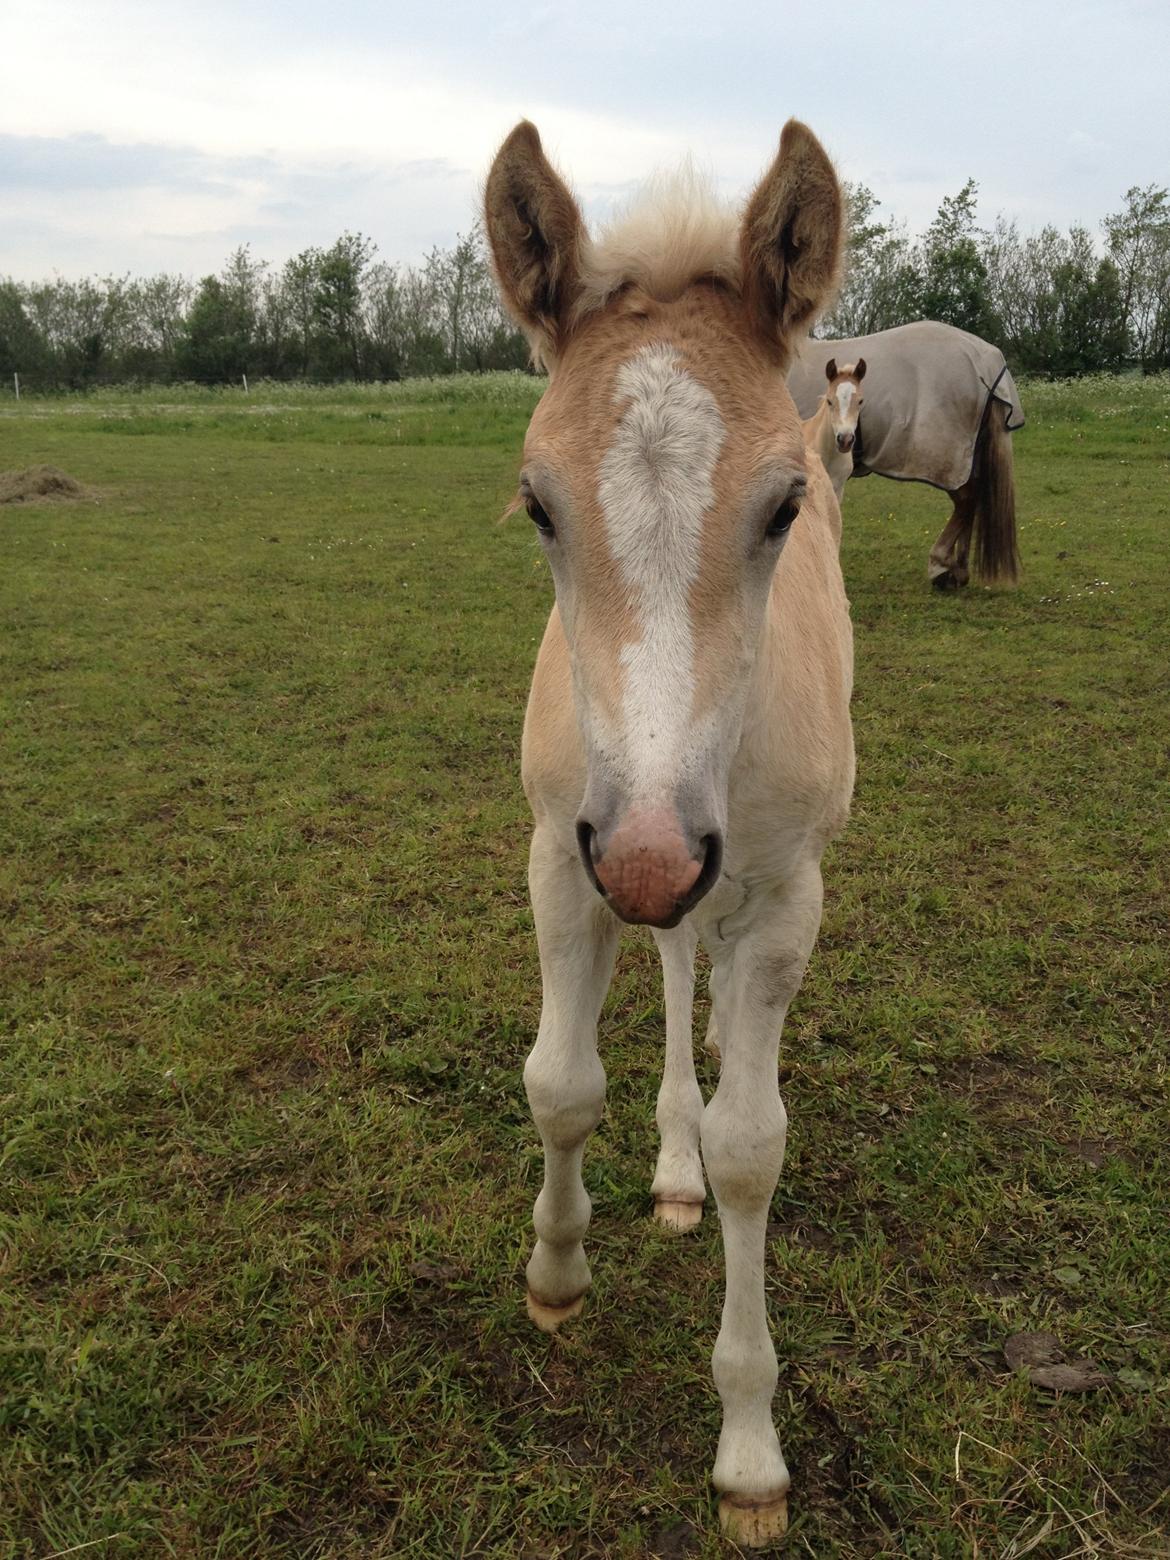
687 750
941 408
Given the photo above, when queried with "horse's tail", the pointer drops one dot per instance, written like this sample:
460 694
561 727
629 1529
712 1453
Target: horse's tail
995 552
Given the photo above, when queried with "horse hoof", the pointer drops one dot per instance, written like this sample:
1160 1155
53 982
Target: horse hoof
549 1317
677 1215
711 1040
946 581
753 1523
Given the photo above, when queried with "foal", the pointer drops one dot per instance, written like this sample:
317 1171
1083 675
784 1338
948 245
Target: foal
832 429
687 749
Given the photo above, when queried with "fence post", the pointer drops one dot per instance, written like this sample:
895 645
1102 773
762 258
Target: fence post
244 377
16 384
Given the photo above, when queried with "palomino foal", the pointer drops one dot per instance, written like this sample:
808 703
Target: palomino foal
687 749
832 429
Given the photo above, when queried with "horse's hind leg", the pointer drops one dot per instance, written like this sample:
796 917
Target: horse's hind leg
711 1039
678 1188
947 568
563 1074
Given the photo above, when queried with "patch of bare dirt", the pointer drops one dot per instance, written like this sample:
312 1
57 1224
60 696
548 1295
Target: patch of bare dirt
674 1540
801 1234
38 483
1040 1357
998 1086
1097 1154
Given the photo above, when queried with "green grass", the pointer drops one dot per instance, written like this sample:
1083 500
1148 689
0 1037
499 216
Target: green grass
269 978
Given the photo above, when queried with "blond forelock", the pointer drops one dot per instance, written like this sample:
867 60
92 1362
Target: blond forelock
677 231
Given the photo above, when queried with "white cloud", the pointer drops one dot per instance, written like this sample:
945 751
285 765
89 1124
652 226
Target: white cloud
315 107
343 139
289 121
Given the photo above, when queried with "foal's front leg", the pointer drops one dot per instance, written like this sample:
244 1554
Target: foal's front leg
743 1137
679 1190
563 1074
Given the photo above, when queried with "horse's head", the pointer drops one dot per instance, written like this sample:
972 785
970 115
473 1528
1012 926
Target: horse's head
844 400
663 469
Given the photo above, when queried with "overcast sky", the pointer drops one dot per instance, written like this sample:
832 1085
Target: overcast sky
144 135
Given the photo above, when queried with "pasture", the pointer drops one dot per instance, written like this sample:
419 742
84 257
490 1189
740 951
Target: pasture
269 978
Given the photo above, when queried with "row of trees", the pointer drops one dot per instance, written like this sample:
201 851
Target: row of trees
1057 304
327 314
1054 302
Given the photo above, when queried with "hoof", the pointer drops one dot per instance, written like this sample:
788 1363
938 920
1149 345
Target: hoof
677 1215
947 581
753 1523
711 1040
549 1317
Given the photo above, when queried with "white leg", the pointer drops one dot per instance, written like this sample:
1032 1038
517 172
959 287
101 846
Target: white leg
678 1188
743 1137
711 1038
563 1075
718 1000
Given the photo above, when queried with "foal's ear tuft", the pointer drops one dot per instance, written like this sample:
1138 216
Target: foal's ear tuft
831 370
791 239
859 370
536 236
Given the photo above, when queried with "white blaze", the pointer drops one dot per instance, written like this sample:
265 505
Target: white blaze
844 396
655 488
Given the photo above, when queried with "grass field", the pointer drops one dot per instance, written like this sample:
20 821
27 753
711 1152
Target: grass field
269 978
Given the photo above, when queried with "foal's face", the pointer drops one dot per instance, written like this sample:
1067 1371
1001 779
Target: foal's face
664 469
844 399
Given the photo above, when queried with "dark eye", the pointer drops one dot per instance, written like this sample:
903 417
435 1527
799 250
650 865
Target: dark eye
783 518
539 518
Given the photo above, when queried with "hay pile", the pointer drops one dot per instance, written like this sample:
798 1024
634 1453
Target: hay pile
38 482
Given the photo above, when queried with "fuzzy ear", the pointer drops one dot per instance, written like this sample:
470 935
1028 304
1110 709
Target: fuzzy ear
791 239
859 370
536 236
831 370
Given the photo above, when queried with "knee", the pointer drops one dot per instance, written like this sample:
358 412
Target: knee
743 1147
566 1095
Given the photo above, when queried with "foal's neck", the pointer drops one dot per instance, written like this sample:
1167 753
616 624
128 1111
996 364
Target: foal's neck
818 433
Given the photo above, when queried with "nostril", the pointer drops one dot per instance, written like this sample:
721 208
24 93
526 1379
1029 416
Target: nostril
712 847
587 845
710 852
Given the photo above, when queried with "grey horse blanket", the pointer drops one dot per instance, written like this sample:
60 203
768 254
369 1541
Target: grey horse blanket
926 388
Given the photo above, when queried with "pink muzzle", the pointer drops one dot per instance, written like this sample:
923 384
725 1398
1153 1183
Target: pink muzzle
647 870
